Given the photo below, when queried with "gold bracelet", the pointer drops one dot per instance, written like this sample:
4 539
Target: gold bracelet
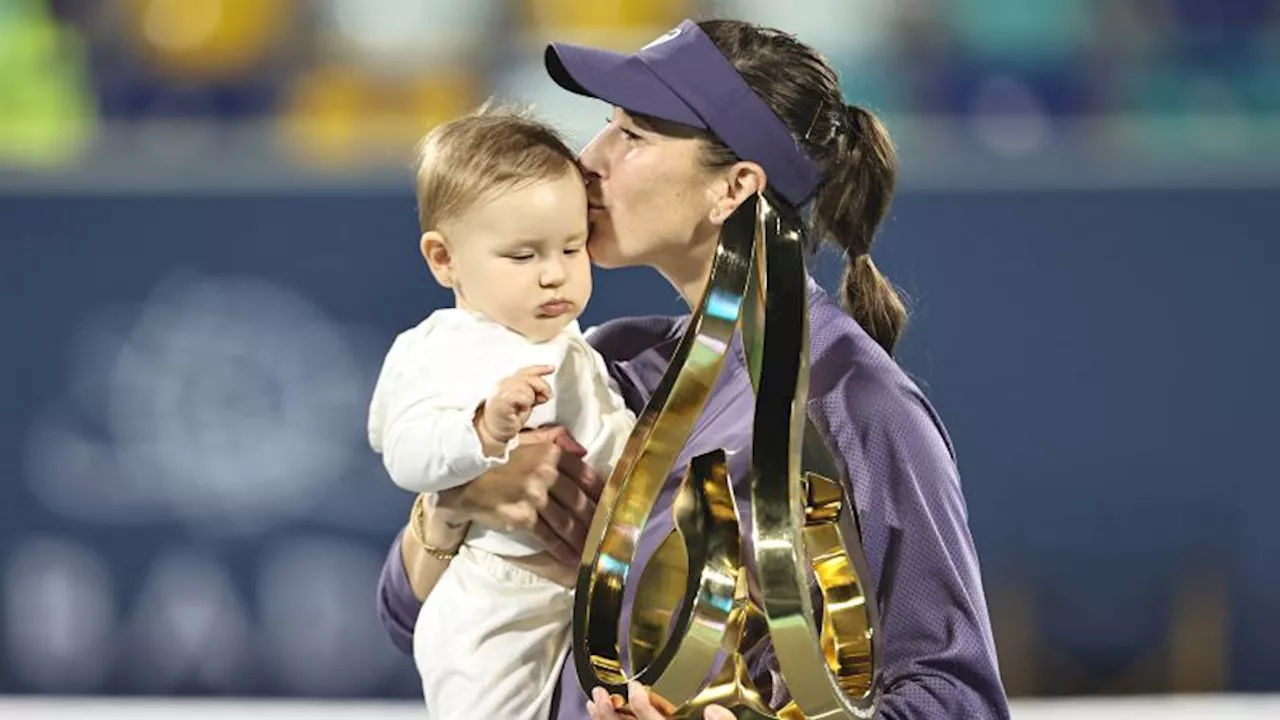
415 527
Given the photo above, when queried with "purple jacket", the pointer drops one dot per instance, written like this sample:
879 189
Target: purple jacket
939 660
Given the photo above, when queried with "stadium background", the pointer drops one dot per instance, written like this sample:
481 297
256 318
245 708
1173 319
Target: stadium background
207 239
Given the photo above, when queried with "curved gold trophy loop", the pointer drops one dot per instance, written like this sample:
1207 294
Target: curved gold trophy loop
691 606
795 518
706 522
632 490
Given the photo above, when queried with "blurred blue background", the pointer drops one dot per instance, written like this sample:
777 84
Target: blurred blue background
208 239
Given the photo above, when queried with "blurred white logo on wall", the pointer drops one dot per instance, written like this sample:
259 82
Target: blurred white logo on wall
230 403
319 632
189 624
59 615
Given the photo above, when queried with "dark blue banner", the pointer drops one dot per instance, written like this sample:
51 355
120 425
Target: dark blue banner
190 505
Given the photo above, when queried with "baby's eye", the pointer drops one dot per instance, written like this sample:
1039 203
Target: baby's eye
521 257
572 250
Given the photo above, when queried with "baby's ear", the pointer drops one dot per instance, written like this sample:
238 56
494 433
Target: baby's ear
435 250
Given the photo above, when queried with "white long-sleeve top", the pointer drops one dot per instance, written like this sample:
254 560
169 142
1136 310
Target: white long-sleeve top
435 376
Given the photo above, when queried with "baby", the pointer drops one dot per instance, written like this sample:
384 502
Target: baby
503 212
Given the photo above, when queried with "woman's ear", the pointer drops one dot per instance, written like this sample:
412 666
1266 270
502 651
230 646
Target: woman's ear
436 252
743 179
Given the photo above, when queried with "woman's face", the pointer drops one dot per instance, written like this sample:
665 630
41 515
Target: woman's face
649 197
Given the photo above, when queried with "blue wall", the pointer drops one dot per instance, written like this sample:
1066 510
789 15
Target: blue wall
1104 361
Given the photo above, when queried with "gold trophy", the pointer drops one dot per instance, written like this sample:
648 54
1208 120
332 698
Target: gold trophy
693 610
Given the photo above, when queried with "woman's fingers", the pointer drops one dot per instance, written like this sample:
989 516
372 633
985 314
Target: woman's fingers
583 475
642 704
638 699
569 508
556 434
648 705
568 493
551 538
545 489
601 706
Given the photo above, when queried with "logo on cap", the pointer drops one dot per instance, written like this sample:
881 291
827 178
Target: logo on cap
670 35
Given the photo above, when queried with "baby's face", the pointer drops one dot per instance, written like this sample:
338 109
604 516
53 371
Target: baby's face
520 258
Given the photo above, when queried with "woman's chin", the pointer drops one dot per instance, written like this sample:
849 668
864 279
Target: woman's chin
603 251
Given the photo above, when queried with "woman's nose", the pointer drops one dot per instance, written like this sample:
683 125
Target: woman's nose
592 159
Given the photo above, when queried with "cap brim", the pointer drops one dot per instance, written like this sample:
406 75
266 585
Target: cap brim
621 80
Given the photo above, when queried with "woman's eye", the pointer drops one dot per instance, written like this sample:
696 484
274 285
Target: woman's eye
628 134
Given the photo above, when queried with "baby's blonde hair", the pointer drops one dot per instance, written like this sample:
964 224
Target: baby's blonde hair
494 149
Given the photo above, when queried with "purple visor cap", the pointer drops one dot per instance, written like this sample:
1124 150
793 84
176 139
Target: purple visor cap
683 78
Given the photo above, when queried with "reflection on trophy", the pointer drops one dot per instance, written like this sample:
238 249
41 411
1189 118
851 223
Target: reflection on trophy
802 576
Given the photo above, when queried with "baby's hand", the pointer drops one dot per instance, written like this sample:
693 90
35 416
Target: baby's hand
505 413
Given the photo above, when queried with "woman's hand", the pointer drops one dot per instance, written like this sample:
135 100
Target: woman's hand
544 488
644 706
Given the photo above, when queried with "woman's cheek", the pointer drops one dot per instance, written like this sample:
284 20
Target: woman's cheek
600 246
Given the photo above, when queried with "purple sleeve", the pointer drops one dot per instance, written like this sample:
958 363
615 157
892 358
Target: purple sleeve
938 654
397 605
938 657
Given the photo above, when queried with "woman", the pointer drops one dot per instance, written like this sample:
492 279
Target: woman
706 116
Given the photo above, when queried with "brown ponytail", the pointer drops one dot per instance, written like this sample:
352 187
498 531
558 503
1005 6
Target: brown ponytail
853 149
851 203
873 301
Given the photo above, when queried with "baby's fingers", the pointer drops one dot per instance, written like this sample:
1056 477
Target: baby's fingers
541 390
535 371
